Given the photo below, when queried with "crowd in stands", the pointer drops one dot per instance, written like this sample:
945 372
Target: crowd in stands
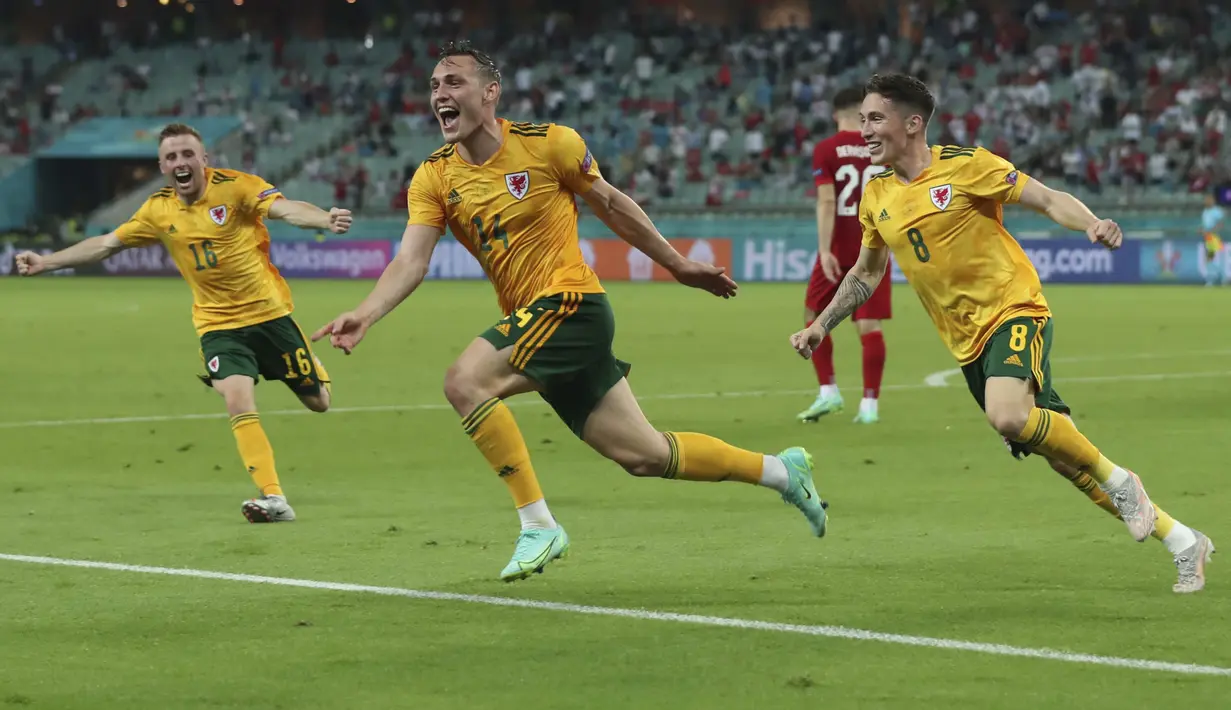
16 135
679 112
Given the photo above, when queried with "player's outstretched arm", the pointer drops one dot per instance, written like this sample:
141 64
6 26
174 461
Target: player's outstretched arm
826 217
86 251
1068 211
854 290
308 216
400 278
625 217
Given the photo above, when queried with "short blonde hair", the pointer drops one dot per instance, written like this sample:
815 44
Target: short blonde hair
171 130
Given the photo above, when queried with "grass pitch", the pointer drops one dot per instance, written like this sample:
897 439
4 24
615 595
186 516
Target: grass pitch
935 530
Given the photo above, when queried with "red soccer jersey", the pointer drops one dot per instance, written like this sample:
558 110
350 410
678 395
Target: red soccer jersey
842 161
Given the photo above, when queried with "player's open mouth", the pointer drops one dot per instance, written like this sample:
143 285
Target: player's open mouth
448 116
183 176
874 146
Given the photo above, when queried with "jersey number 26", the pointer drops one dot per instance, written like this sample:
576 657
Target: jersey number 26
850 178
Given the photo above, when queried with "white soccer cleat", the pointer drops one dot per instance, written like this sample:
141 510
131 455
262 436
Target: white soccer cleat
268 509
1191 565
1134 505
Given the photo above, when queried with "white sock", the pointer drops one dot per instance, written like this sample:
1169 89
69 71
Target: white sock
867 405
1179 539
1117 478
774 474
536 516
828 391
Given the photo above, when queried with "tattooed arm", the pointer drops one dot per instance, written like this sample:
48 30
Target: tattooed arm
852 293
854 290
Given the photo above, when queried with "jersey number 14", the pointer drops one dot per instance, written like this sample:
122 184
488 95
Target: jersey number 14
850 178
486 237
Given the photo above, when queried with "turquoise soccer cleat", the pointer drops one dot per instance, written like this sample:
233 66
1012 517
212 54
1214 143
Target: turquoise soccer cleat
867 416
821 407
535 549
801 492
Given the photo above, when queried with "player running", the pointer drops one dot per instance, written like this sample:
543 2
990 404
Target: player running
939 210
841 168
211 223
506 190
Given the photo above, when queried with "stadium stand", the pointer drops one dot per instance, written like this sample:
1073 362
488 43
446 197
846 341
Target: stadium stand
694 118
1125 108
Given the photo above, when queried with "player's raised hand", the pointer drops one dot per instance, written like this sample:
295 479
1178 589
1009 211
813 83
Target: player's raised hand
339 220
1105 232
806 341
706 277
344 332
831 267
29 263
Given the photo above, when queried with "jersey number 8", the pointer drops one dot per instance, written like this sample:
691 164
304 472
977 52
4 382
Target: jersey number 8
915 237
851 178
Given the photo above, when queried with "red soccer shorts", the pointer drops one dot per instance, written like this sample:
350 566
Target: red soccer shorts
821 291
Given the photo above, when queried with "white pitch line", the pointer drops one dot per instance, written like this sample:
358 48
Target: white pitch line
839 632
40 423
941 378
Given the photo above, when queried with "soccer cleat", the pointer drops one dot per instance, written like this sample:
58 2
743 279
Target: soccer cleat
821 407
1191 565
535 548
801 491
1135 507
268 509
867 416
869 411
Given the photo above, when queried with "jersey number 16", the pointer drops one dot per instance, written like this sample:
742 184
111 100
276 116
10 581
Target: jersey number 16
850 178
205 257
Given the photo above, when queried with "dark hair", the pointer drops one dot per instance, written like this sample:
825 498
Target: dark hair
904 90
486 65
171 130
848 98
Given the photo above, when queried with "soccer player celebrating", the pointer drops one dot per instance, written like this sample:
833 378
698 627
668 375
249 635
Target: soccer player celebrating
841 168
211 223
506 190
939 209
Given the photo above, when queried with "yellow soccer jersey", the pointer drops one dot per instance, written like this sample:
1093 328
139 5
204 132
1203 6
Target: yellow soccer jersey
516 213
947 233
221 246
